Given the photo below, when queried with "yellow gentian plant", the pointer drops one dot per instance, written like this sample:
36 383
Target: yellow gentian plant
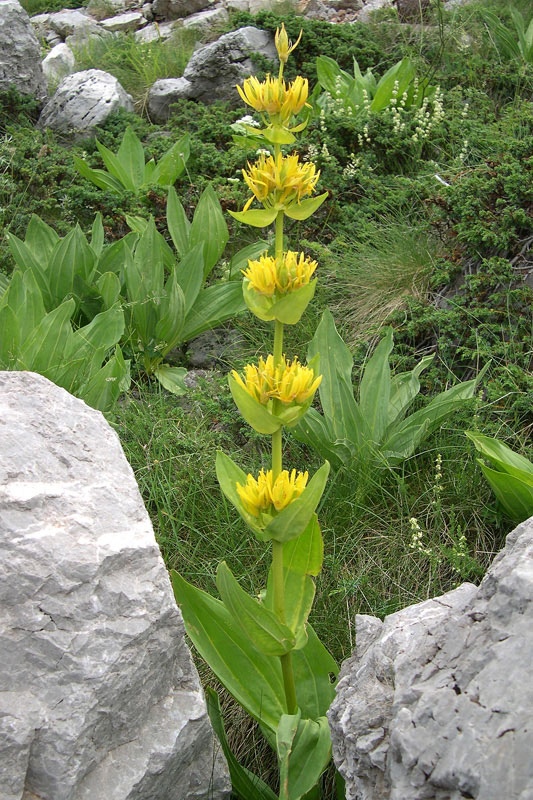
262 648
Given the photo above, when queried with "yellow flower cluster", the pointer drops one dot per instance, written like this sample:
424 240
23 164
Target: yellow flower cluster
283 45
272 96
286 382
278 182
264 494
269 275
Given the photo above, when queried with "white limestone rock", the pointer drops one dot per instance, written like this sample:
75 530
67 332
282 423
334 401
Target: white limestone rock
129 21
177 9
207 21
164 93
67 22
238 5
155 32
367 12
214 69
436 701
20 54
99 697
59 63
83 101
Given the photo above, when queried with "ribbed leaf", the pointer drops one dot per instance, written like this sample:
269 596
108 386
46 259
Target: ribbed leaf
178 224
304 751
209 228
374 392
99 177
131 157
515 495
270 636
190 275
212 307
71 256
170 167
252 678
172 378
114 165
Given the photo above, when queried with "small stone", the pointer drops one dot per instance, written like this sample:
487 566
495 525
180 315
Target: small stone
130 21
367 12
207 21
147 12
163 94
59 63
157 31
177 9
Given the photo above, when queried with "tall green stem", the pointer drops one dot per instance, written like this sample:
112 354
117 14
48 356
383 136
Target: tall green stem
277 465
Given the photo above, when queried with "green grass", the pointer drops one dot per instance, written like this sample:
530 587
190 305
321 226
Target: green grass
137 65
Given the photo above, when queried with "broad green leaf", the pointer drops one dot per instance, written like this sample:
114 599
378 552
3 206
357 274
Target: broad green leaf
149 168
136 224
131 157
403 440
228 476
307 207
212 307
256 217
114 257
289 309
9 337
374 390
293 520
209 228
97 235
172 378
102 391
515 495
351 422
172 315
114 165
104 331
277 135
41 239
404 388
299 593
304 751
178 224
99 177
43 349
330 76
244 784
304 554
403 72
501 456
258 623
71 256
253 412
170 167
314 669
108 286
252 678
140 311
313 430
149 258
25 260
240 260
190 275
335 362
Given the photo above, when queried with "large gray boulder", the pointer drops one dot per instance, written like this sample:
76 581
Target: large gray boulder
213 71
99 697
437 700
20 54
83 101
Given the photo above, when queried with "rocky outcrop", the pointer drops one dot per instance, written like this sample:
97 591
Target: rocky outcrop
99 697
367 12
436 702
83 101
213 71
20 54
